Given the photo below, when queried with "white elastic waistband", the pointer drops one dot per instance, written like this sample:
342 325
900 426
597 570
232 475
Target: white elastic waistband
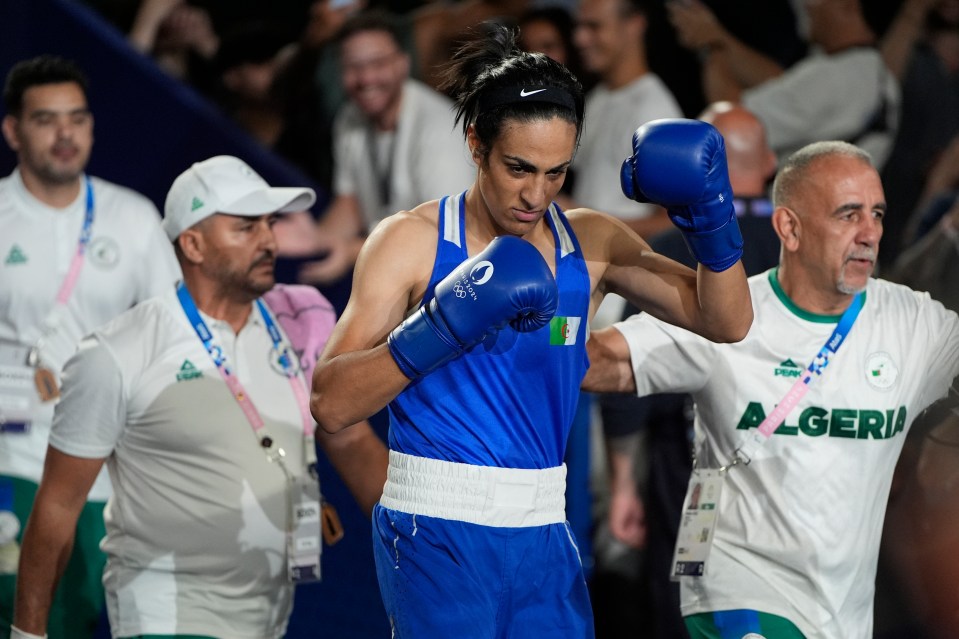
486 495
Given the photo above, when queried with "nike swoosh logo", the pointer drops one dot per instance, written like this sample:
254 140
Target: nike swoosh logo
524 93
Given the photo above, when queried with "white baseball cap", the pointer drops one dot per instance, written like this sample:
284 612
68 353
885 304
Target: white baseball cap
225 184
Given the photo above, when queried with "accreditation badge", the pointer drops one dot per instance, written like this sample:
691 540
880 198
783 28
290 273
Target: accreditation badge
304 541
18 393
698 523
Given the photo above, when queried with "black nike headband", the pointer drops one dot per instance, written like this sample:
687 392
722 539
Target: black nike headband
519 94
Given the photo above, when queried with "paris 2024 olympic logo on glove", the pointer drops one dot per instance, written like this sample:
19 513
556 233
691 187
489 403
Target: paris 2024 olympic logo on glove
480 274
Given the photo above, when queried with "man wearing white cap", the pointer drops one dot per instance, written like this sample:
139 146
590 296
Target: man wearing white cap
196 400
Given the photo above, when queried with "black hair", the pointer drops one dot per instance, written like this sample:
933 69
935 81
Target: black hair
372 20
556 16
487 76
561 20
44 69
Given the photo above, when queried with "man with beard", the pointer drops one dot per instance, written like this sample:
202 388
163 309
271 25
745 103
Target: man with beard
197 402
75 252
795 460
394 144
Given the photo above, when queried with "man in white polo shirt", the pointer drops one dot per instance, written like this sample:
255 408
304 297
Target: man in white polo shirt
51 295
196 400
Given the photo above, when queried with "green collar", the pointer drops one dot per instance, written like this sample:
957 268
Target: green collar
795 310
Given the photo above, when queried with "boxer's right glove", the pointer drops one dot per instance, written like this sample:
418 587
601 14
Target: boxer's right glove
681 164
508 282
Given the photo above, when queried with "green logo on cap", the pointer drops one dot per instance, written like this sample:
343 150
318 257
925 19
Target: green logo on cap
197 203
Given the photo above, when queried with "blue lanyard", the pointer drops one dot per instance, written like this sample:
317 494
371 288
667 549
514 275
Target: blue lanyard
239 393
202 331
836 339
278 344
87 229
206 336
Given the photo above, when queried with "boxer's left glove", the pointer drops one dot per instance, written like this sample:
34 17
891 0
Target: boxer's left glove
508 282
681 164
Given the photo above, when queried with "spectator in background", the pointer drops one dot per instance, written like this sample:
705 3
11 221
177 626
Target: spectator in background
932 263
940 189
610 38
76 251
181 39
216 511
644 511
841 91
921 48
309 83
549 30
395 144
929 260
438 28
247 64
276 77
309 90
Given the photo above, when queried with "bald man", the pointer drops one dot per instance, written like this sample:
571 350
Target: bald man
651 520
794 461
751 162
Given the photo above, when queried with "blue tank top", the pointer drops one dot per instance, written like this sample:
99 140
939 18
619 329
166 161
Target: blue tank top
509 401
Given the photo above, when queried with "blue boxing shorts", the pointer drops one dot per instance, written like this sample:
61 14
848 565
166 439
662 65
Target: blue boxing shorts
443 576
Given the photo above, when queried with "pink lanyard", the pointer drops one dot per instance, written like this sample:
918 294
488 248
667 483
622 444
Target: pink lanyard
70 281
77 262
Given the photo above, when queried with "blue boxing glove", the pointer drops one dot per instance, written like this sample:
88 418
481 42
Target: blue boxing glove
508 282
681 164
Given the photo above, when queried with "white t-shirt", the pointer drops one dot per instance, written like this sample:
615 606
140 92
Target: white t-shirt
612 116
428 159
799 527
195 527
829 97
129 259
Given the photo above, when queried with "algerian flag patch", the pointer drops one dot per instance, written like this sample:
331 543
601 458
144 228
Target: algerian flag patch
563 330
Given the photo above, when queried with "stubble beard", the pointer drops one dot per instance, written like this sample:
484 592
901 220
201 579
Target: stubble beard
848 289
242 285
